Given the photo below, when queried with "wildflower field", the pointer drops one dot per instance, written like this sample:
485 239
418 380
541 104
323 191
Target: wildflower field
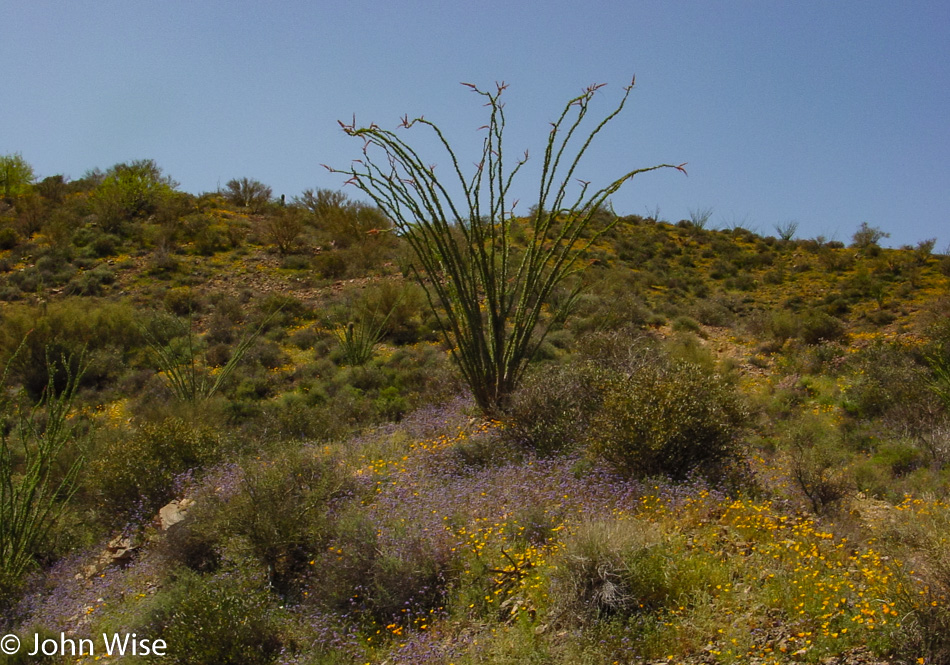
735 450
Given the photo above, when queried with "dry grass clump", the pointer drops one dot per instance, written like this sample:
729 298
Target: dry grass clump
611 568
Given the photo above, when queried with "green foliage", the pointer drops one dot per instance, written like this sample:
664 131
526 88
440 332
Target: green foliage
91 282
354 238
922 536
282 229
330 265
8 238
818 327
867 236
938 359
34 489
136 470
278 515
391 404
924 250
222 619
53 188
63 330
668 417
685 324
358 340
551 410
491 295
248 193
360 573
497 539
182 301
818 463
16 175
834 259
891 383
783 325
342 223
899 457
699 218
180 364
130 191
786 230
320 202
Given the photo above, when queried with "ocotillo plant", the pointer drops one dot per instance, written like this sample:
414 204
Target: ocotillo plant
184 375
34 490
490 295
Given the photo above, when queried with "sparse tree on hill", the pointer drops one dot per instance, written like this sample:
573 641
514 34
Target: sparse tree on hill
867 236
248 193
129 191
16 175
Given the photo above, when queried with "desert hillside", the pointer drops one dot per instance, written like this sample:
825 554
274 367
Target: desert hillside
231 423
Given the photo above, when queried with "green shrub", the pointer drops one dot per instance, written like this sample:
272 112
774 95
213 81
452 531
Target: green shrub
137 469
281 512
714 313
275 514
330 264
783 325
380 581
279 310
687 347
668 418
720 269
64 328
899 457
818 327
873 479
404 303
176 353
295 262
248 193
391 404
742 282
834 259
90 283
921 536
881 318
685 324
104 244
221 619
552 409
8 238
163 261
358 340
819 465
282 229
890 383
182 301
944 266
868 237
213 238
130 191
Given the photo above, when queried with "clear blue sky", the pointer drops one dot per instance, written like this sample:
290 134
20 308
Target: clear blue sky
826 113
